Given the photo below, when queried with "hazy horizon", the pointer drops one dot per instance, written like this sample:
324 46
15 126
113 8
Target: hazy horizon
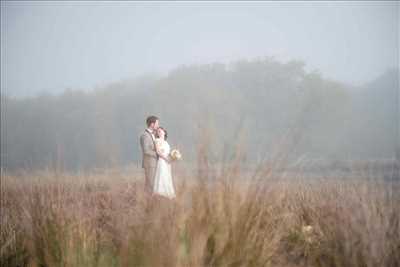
52 46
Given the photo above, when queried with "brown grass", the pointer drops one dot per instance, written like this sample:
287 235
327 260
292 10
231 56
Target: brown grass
221 217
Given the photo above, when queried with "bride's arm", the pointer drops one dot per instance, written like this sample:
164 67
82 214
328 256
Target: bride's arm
165 158
158 149
160 152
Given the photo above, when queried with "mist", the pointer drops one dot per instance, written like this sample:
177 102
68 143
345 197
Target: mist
51 46
316 80
278 145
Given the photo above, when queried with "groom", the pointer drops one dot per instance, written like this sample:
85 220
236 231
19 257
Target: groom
149 155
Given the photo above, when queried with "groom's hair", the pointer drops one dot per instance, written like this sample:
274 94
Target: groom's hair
150 120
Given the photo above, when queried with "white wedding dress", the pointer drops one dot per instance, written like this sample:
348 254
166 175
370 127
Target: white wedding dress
163 184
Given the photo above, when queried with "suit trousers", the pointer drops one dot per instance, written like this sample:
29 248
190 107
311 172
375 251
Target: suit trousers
149 173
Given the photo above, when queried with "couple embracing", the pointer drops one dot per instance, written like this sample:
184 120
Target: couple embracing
156 159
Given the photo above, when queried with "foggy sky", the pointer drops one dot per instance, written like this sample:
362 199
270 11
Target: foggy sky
51 46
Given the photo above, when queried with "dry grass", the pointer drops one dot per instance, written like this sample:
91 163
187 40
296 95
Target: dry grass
221 217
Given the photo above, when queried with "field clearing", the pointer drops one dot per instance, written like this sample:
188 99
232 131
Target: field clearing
223 216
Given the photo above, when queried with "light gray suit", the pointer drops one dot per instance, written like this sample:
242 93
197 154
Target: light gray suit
149 159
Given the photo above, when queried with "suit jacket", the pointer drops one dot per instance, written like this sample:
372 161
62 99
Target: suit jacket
149 155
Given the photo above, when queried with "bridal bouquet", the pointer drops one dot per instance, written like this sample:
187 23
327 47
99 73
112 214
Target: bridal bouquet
175 154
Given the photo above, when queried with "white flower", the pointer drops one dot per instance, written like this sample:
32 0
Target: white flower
307 229
175 154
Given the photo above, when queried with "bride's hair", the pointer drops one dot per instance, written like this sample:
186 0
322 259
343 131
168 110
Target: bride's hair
165 133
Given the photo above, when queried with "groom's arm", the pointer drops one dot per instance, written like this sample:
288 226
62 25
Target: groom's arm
147 146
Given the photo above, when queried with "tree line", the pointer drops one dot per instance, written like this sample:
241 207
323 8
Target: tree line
258 104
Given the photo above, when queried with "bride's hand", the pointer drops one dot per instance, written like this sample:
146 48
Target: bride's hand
159 152
165 158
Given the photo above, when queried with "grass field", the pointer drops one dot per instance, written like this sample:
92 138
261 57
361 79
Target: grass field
221 217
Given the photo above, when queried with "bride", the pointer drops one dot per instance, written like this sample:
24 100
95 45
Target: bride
163 184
